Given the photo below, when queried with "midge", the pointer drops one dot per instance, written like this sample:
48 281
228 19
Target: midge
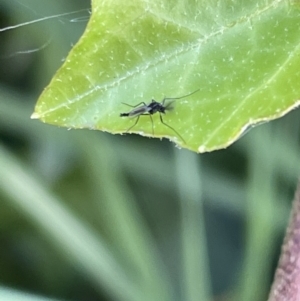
142 109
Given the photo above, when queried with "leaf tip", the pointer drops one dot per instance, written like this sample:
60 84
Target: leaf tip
35 115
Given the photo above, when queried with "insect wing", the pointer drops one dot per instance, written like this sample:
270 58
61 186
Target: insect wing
170 105
139 111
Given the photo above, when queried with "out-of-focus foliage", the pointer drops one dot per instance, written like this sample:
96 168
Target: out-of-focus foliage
90 216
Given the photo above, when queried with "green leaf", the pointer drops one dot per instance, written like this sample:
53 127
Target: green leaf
243 56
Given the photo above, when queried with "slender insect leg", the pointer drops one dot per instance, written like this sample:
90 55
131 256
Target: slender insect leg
135 105
137 120
163 101
162 121
152 124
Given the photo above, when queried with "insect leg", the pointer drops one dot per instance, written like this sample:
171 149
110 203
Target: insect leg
152 124
134 105
162 121
148 114
137 120
166 98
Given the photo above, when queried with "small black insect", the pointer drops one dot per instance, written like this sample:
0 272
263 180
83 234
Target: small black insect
142 109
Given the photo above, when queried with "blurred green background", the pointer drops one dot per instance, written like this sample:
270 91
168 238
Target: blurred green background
91 216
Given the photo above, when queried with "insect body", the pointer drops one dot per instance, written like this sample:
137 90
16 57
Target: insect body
153 107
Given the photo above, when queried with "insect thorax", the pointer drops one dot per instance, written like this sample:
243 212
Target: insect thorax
156 107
